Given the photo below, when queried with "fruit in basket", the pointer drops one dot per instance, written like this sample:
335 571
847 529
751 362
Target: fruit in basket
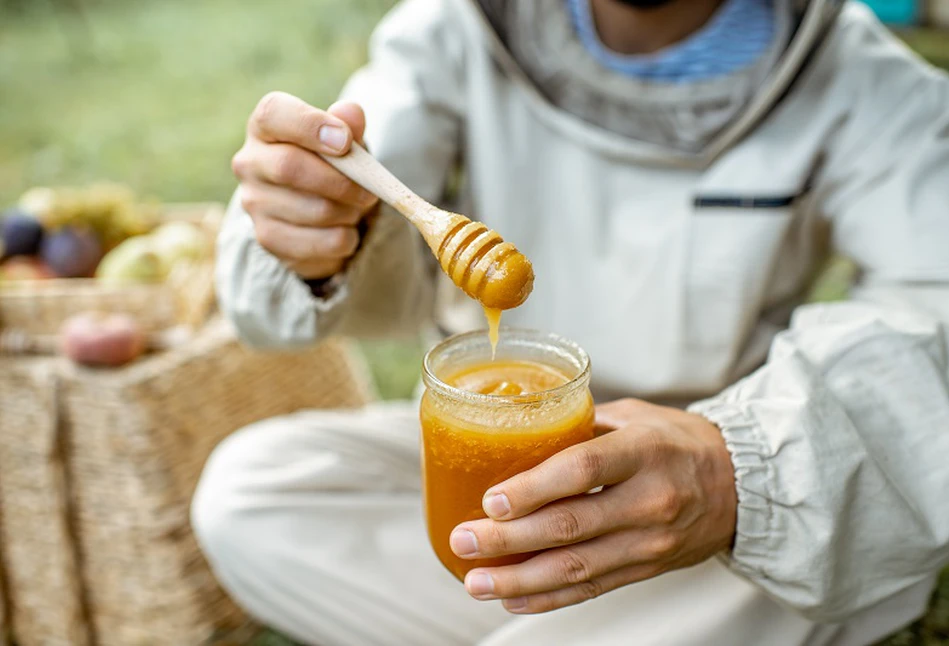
114 211
24 268
111 210
71 252
179 240
39 202
20 234
133 261
96 339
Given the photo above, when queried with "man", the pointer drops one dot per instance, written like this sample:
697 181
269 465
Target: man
675 169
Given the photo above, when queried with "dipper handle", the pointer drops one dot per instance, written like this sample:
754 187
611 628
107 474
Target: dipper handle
476 258
364 169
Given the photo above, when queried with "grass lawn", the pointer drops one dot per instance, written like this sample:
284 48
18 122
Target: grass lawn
154 93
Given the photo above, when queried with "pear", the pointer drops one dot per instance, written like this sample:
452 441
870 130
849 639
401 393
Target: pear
133 261
179 240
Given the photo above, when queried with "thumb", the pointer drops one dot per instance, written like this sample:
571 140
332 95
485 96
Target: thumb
353 115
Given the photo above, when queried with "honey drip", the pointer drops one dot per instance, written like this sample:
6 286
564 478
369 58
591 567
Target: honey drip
494 323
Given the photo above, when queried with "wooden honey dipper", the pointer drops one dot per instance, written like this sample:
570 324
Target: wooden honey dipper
477 260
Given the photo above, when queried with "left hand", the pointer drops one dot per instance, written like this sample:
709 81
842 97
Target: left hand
668 502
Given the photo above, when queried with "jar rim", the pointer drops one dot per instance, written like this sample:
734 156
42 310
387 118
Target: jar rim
580 380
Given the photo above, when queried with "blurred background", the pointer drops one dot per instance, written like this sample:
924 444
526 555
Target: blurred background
153 95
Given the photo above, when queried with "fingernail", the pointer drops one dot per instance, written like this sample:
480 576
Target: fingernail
333 137
480 583
463 542
497 505
518 603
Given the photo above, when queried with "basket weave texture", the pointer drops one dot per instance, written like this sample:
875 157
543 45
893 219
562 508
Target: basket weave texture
42 306
4 628
97 468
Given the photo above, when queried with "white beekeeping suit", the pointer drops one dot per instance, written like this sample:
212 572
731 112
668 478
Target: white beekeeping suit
685 268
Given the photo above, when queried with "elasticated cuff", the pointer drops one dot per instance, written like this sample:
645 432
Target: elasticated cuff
755 531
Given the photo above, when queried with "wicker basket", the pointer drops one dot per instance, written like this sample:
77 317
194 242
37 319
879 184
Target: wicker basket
4 628
39 556
97 469
41 306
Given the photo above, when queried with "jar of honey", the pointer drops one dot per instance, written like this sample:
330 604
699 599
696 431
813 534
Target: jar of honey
486 418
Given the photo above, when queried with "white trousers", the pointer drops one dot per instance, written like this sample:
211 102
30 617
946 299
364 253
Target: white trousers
313 522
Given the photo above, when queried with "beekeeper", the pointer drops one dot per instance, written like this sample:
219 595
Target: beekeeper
676 170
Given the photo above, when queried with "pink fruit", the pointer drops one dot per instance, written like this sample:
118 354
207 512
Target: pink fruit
96 339
25 268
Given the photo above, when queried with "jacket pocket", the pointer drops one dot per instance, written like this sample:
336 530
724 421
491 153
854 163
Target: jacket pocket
734 246
709 203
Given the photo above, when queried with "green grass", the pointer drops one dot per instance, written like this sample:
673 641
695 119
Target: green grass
932 45
395 366
155 93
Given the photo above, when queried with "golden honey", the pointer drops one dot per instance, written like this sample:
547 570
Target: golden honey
485 421
493 317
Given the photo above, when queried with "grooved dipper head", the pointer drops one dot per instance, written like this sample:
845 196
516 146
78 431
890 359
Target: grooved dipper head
485 267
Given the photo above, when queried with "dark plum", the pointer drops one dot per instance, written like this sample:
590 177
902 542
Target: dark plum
71 252
20 234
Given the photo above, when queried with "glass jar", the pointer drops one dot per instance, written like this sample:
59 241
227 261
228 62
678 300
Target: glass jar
473 441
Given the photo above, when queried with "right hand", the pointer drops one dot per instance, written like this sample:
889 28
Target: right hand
305 212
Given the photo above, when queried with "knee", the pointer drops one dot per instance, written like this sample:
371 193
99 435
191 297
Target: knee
224 498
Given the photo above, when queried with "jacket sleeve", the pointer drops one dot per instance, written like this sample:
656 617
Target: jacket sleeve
411 91
840 441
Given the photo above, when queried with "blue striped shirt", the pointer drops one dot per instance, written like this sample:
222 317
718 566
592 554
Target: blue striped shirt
736 36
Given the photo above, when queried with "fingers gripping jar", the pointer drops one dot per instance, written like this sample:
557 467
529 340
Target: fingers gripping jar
486 420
